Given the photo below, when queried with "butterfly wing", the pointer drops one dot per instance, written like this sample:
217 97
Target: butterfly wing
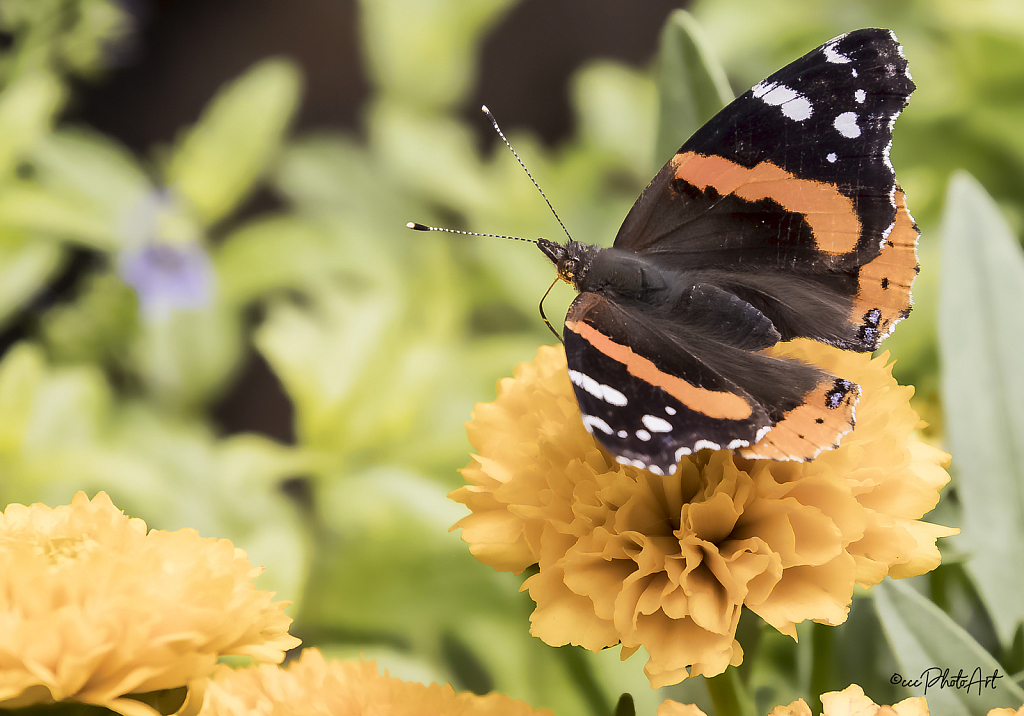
652 391
787 197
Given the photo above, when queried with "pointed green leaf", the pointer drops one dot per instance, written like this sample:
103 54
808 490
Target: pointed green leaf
425 52
981 340
50 421
25 265
616 107
94 169
272 253
27 107
926 641
625 706
692 84
27 207
223 156
189 355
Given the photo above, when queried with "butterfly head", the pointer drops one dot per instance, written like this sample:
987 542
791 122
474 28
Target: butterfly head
572 261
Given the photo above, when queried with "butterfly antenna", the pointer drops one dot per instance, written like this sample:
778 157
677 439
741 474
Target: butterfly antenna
523 165
423 227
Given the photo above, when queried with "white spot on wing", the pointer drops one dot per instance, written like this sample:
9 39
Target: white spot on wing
860 95
592 421
854 71
799 109
670 411
600 391
623 460
833 55
888 148
643 435
831 156
682 451
706 444
737 443
793 104
612 396
656 424
622 433
656 470
846 124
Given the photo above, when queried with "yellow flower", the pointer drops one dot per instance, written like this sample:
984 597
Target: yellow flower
312 685
669 707
851 701
94 608
666 562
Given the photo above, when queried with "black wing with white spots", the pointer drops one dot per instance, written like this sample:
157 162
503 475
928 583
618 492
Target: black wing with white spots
780 218
788 192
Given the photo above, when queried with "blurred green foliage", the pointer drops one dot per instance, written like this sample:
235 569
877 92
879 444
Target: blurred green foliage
383 339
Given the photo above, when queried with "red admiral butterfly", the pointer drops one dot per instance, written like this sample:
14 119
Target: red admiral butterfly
780 218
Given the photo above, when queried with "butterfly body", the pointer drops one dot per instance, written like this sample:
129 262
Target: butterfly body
781 218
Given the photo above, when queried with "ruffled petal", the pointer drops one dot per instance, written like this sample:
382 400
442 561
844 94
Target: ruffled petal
666 563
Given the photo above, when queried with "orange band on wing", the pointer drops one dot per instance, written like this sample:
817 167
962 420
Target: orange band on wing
714 404
884 282
831 215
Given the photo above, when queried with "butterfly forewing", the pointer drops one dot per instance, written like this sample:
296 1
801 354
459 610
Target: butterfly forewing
784 195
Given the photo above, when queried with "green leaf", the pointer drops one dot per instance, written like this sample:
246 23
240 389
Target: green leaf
25 206
924 638
25 265
616 107
27 107
93 169
96 327
425 52
50 421
981 339
218 162
352 368
692 85
274 253
187 356
625 706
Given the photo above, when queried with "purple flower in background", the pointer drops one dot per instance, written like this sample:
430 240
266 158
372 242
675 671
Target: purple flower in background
168 277
164 260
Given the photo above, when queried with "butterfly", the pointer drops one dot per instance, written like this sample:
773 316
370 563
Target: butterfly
780 218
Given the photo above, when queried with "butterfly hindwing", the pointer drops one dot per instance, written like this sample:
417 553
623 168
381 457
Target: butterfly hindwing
649 399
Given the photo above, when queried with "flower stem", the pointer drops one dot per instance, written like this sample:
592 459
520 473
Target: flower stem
729 695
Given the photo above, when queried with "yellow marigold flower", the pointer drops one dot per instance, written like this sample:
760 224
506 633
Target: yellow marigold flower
93 608
312 685
666 562
851 701
669 707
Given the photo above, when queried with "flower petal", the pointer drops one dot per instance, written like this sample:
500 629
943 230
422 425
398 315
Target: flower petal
668 562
